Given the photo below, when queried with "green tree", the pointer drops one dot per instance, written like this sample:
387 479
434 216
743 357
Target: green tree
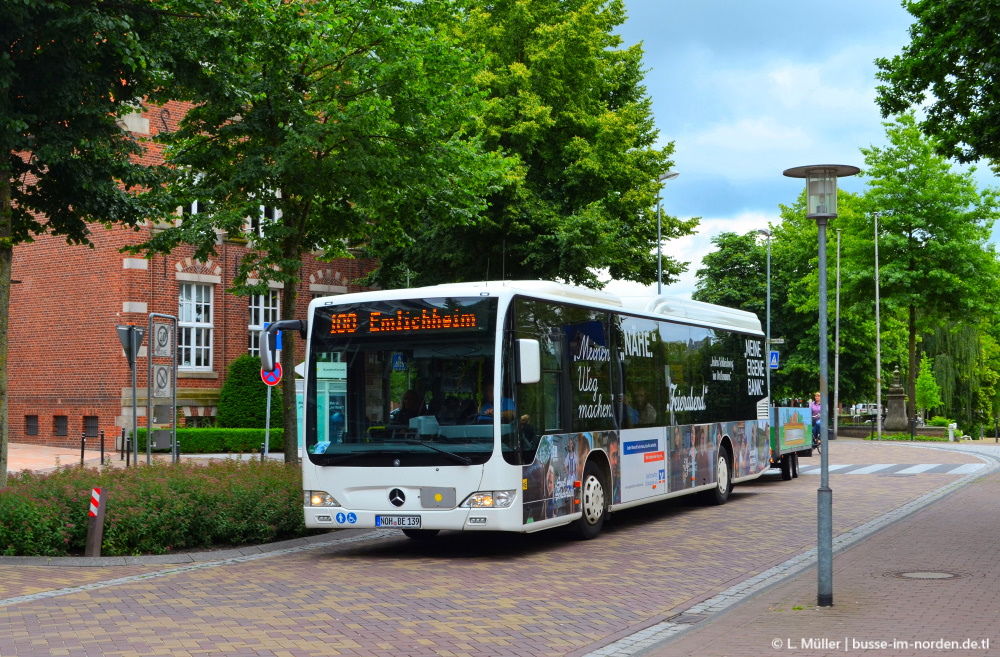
949 70
928 391
67 69
934 225
735 274
344 116
243 398
567 101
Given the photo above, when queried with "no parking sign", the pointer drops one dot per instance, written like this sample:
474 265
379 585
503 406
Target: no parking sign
272 378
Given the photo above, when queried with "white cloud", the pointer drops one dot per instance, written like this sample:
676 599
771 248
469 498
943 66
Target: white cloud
691 249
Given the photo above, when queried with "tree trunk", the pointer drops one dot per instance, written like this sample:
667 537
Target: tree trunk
6 255
289 339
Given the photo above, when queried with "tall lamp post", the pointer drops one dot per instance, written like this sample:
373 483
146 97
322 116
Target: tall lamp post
821 205
766 233
663 177
836 351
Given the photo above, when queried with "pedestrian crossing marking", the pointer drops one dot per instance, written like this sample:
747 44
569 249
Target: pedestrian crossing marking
897 468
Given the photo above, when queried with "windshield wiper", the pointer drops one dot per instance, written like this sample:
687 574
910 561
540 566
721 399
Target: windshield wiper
330 459
464 460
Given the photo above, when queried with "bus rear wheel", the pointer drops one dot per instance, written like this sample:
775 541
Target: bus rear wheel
593 503
723 481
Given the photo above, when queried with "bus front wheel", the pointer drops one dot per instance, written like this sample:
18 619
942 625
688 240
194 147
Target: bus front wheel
593 502
420 534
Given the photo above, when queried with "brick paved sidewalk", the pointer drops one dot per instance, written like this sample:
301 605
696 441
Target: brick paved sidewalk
931 577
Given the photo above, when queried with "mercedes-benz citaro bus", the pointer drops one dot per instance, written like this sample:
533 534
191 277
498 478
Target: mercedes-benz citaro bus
522 405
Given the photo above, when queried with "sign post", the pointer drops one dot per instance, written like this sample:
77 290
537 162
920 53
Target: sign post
131 339
271 379
161 379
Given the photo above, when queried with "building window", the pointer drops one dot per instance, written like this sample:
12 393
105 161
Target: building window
60 425
256 224
90 423
194 326
31 425
264 309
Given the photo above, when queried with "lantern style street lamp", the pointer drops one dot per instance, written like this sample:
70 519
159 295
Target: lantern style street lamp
821 205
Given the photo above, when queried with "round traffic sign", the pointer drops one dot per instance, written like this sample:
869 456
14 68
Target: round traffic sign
272 378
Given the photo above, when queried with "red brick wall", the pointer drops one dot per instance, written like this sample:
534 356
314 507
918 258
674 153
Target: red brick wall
65 357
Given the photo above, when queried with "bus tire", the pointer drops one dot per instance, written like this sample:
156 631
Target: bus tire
723 480
786 467
421 534
795 465
593 502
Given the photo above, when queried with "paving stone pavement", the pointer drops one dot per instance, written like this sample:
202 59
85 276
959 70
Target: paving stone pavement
487 594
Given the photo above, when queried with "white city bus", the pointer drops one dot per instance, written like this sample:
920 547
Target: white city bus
523 405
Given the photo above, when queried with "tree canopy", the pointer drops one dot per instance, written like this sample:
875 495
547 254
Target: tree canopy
566 101
67 70
950 69
347 118
935 259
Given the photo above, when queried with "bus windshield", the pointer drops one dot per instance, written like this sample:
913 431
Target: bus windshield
404 383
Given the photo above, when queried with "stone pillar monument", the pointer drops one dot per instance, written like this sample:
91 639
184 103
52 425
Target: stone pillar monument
895 419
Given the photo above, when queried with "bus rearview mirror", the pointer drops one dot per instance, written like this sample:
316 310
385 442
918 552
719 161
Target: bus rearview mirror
529 361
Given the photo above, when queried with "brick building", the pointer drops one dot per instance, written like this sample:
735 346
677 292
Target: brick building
68 374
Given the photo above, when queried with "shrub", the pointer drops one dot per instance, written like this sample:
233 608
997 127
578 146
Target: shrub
215 440
153 509
243 398
938 421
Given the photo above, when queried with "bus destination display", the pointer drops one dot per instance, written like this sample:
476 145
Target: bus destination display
399 320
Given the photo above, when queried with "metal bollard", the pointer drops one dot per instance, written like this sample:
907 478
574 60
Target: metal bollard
102 446
83 446
128 450
262 452
121 454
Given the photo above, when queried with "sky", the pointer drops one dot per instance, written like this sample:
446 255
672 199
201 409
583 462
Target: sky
746 90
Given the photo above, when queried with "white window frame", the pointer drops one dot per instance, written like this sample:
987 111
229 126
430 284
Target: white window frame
263 309
268 215
195 327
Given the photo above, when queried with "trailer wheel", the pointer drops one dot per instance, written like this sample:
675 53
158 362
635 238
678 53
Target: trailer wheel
786 467
795 465
593 503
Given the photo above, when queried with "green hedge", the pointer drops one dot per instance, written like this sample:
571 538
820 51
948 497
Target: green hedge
152 509
218 440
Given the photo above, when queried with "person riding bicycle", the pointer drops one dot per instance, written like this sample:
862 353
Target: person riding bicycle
817 411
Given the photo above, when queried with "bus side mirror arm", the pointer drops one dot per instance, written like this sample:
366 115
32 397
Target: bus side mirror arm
268 340
529 361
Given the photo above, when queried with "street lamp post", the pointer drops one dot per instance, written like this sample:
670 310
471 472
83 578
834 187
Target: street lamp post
821 205
766 233
836 350
878 340
668 175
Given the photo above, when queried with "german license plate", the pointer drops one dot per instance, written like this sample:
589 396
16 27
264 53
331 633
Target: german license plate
409 522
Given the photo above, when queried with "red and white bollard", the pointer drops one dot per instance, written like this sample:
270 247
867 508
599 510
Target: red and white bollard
95 523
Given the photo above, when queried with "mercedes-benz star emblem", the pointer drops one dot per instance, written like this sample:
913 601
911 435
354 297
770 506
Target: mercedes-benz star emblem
396 463
396 497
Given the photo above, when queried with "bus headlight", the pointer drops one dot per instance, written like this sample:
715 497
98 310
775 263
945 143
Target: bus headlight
319 498
495 499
